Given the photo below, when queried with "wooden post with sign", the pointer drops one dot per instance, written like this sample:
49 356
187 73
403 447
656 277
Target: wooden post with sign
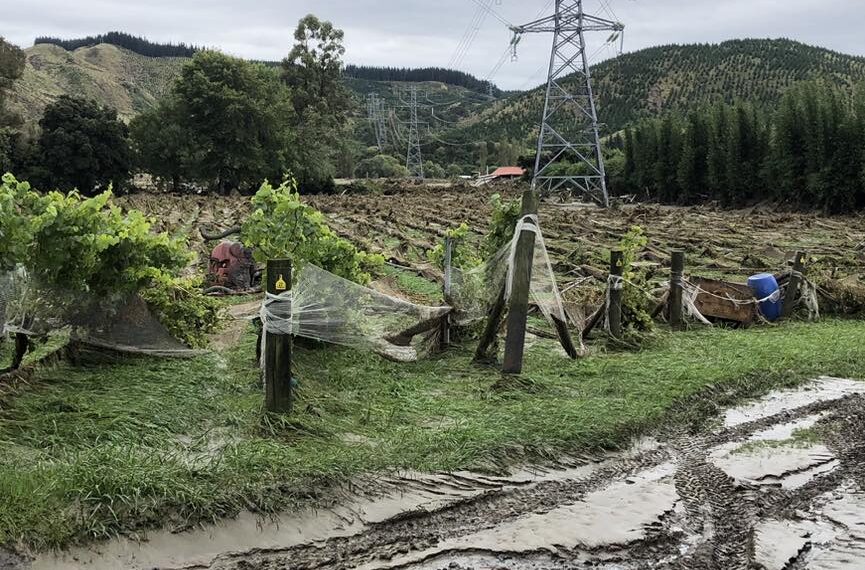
277 349
677 274
614 311
792 294
518 304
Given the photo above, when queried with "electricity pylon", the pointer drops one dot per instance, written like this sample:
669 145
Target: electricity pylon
381 124
569 126
414 157
377 118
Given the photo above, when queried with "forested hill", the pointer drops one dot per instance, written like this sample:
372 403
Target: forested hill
135 44
421 75
653 81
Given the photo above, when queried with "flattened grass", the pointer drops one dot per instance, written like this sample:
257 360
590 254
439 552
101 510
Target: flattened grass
86 453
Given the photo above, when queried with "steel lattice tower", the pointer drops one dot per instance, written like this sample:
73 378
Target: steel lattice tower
569 126
376 111
381 124
414 157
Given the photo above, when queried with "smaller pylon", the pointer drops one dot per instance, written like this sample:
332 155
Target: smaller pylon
414 156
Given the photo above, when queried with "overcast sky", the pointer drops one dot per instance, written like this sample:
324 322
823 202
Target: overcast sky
420 33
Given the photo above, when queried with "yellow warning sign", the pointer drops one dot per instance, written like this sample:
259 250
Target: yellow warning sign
281 285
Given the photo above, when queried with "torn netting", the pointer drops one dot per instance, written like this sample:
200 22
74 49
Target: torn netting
325 307
123 323
473 291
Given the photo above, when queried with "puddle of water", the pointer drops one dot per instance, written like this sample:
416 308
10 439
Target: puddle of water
822 389
836 536
166 550
845 555
789 467
618 514
409 492
777 543
786 431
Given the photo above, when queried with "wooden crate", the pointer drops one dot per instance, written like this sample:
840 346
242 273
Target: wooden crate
713 307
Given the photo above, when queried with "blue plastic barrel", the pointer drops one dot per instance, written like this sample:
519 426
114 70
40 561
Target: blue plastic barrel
765 286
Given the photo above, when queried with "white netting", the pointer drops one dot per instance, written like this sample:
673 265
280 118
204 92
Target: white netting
328 308
121 323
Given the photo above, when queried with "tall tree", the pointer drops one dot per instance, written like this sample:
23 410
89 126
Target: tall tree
239 116
11 68
163 144
82 146
693 172
313 71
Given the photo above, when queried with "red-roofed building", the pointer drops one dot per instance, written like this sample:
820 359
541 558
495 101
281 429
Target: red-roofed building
509 172
503 173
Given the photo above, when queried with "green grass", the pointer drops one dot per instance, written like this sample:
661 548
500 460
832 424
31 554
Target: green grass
415 286
801 438
89 452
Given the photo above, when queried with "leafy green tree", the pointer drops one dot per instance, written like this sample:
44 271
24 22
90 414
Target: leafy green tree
433 170
238 115
162 144
313 71
381 166
11 68
693 167
718 151
82 146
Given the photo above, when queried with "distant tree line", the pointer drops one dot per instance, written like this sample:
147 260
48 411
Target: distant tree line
228 124
136 44
809 152
439 74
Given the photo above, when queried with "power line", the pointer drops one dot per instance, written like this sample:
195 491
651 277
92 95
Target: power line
468 37
494 14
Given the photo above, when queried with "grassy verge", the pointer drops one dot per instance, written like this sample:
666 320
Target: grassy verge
87 453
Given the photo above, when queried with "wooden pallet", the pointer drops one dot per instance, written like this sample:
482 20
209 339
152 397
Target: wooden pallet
713 307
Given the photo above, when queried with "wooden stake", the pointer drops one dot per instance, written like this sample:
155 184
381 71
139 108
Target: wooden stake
277 349
792 295
614 312
494 320
518 304
677 272
446 320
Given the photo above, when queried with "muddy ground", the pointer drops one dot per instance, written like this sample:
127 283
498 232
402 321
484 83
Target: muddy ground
775 484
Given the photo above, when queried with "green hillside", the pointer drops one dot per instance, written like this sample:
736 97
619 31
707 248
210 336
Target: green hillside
128 82
132 83
636 85
652 81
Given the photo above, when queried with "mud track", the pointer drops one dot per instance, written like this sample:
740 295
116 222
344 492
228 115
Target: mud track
777 484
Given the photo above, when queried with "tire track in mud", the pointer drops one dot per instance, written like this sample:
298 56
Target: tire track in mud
712 525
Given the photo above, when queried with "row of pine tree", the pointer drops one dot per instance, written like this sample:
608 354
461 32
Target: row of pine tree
808 152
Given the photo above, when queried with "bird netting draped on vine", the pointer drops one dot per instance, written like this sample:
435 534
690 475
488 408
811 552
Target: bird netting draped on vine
121 323
328 308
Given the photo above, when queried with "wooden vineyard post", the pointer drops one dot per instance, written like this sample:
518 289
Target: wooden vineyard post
677 274
446 320
614 311
277 349
491 329
518 304
793 285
